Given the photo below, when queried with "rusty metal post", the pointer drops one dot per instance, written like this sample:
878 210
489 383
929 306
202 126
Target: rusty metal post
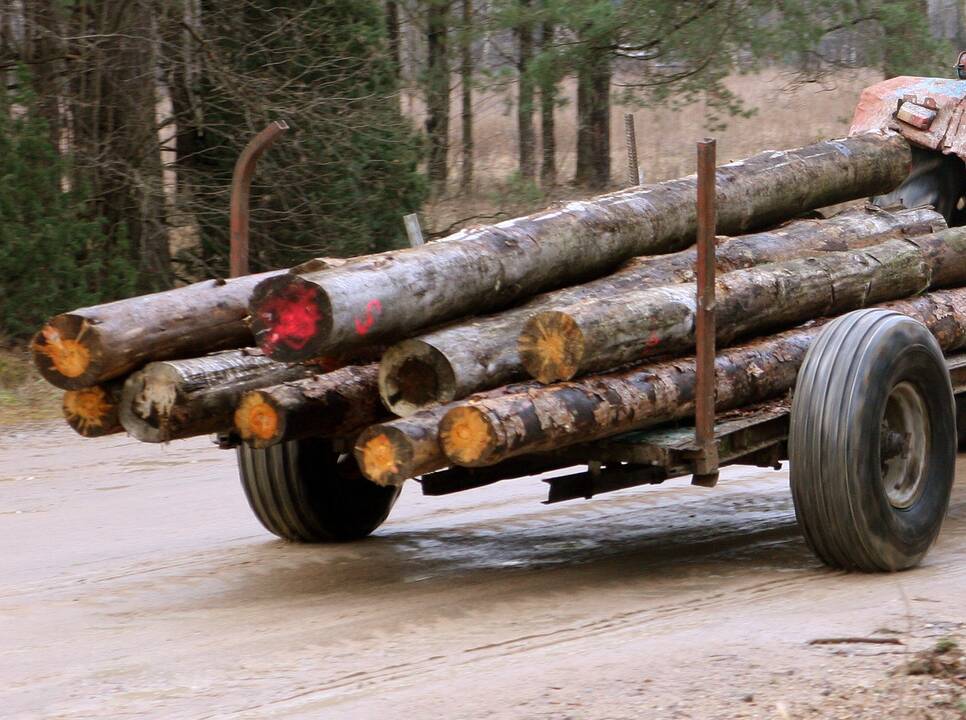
706 462
241 184
633 170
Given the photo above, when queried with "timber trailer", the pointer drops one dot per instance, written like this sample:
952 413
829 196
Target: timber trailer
869 431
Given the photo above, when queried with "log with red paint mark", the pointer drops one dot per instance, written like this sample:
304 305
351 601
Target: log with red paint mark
606 331
386 297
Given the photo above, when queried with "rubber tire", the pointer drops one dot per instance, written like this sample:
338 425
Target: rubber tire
305 492
834 442
935 179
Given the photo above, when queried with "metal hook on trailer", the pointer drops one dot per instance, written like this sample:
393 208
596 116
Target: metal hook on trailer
241 184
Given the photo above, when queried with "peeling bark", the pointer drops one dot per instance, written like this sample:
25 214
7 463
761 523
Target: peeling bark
480 353
386 297
85 347
486 431
335 404
183 398
607 330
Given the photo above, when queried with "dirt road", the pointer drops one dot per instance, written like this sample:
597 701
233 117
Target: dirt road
135 583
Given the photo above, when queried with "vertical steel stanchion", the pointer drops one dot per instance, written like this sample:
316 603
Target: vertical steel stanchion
633 171
706 462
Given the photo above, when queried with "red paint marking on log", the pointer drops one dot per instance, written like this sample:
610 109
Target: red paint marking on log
373 308
292 317
654 340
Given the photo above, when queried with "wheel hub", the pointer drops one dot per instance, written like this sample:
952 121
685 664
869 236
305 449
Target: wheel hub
904 445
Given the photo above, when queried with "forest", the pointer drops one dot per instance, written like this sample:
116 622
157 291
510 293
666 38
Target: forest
121 120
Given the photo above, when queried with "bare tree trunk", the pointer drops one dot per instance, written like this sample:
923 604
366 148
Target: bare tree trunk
385 297
466 84
548 101
525 134
392 35
607 330
41 48
115 131
481 352
334 404
183 398
94 411
490 430
85 347
437 92
593 120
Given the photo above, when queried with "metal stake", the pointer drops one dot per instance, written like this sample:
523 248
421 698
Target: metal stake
414 230
706 462
633 171
241 185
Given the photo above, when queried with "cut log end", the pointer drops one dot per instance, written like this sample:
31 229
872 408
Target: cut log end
64 354
466 436
92 412
384 456
412 375
147 403
290 317
258 421
551 346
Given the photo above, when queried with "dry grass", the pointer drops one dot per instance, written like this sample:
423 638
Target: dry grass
786 117
24 395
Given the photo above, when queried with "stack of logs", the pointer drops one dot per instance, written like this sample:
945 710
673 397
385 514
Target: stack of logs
503 344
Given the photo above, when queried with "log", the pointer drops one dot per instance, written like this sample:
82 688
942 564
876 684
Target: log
177 399
490 430
467 357
85 347
392 452
90 345
93 412
386 297
607 330
335 404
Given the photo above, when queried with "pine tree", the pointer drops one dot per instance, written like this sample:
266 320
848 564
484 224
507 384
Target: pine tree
52 255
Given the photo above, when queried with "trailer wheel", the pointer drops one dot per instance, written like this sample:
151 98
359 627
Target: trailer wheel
872 442
305 492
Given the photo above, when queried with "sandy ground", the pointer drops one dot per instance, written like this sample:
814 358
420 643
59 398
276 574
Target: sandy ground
136 584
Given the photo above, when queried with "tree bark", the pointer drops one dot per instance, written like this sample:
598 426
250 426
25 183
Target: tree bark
388 296
93 412
41 50
392 452
466 85
183 398
604 331
114 130
336 404
437 92
88 346
525 134
593 120
456 361
548 102
392 35
487 431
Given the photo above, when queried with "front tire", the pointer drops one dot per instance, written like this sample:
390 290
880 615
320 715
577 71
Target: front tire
304 491
872 442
